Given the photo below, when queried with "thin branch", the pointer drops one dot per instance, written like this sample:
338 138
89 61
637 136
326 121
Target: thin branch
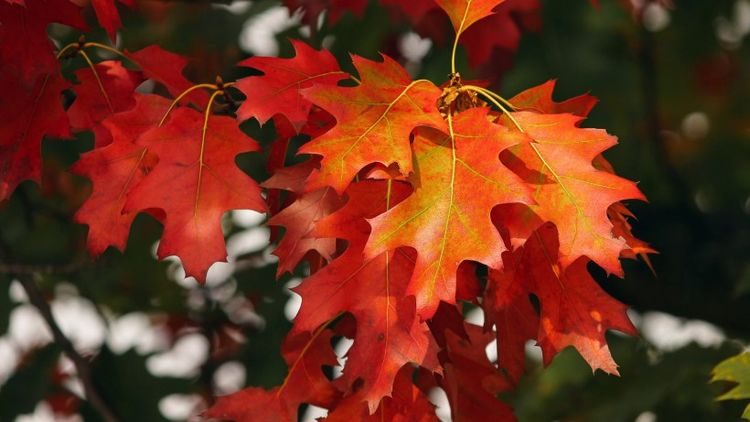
81 364
32 269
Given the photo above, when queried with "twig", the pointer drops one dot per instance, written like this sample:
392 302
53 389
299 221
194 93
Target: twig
81 364
31 269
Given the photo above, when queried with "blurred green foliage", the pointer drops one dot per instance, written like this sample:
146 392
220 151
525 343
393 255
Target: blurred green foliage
737 371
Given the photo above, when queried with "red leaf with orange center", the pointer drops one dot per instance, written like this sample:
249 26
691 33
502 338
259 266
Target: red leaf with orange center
373 122
445 219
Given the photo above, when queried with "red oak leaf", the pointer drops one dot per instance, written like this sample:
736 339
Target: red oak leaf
470 380
445 220
107 15
279 149
195 183
318 122
300 217
575 311
373 122
517 221
539 99
622 228
509 309
556 160
114 170
498 31
25 50
619 215
305 354
94 102
388 334
31 110
166 68
292 178
464 13
277 91
407 404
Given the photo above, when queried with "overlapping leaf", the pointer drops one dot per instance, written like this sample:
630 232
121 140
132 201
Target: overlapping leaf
373 122
277 91
108 16
470 380
408 403
556 159
305 354
445 219
194 184
301 216
99 96
575 311
509 308
499 31
167 69
31 111
389 335
114 170
26 52
521 222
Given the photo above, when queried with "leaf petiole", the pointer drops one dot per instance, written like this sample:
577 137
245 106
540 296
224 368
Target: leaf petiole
106 48
213 87
65 49
497 101
98 79
487 92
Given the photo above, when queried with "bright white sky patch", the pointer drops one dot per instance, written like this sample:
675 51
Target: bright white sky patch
135 330
229 378
8 359
183 361
438 397
179 407
668 332
258 35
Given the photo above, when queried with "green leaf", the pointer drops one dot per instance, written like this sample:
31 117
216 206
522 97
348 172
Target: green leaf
735 369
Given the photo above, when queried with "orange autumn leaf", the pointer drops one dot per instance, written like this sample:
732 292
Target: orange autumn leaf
464 13
373 122
458 180
555 159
